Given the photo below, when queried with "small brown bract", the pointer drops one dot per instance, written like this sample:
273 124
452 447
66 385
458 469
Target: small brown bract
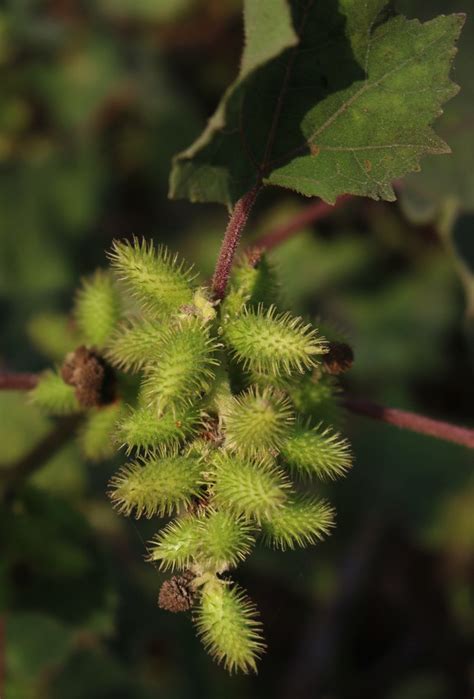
91 377
339 358
176 594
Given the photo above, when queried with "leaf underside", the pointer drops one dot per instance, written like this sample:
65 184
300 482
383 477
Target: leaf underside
340 100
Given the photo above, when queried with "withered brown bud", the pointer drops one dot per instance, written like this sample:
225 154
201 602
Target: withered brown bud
176 594
254 256
210 431
339 358
90 375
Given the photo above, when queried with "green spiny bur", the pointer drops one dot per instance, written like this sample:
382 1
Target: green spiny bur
300 522
228 626
273 343
224 540
53 396
317 451
249 487
316 397
135 344
97 309
257 421
152 275
96 436
184 368
175 546
251 285
143 429
155 485
209 542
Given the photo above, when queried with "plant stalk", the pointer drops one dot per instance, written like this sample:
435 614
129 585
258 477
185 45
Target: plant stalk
17 381
412 421
235 227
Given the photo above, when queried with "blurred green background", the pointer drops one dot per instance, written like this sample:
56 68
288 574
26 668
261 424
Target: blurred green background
95 98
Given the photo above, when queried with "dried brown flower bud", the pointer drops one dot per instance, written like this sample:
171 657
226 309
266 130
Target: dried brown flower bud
339 358
176 594
92 378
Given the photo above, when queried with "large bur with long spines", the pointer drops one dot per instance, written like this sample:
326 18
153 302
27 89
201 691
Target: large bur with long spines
224 429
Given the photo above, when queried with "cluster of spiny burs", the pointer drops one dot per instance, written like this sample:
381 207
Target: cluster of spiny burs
230 416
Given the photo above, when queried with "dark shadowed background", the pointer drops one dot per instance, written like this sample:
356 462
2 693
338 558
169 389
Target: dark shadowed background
95 98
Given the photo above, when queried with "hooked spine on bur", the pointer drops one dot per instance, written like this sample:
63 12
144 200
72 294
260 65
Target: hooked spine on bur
223 413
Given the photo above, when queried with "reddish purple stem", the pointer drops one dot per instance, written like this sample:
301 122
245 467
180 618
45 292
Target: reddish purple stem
236 224
17 382
412 421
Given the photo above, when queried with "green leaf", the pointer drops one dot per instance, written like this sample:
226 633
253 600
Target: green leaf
346 110
275 15
425 193
27 654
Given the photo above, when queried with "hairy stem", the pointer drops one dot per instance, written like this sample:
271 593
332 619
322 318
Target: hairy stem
236 225
411 421
311 213
17 382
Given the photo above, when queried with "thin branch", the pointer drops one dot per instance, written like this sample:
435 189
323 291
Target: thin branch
314 212
236 224
14 475
412 421
17 381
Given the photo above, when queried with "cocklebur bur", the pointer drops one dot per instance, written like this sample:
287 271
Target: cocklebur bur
217 426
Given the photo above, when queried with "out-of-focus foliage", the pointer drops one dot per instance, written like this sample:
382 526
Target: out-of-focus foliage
95 99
